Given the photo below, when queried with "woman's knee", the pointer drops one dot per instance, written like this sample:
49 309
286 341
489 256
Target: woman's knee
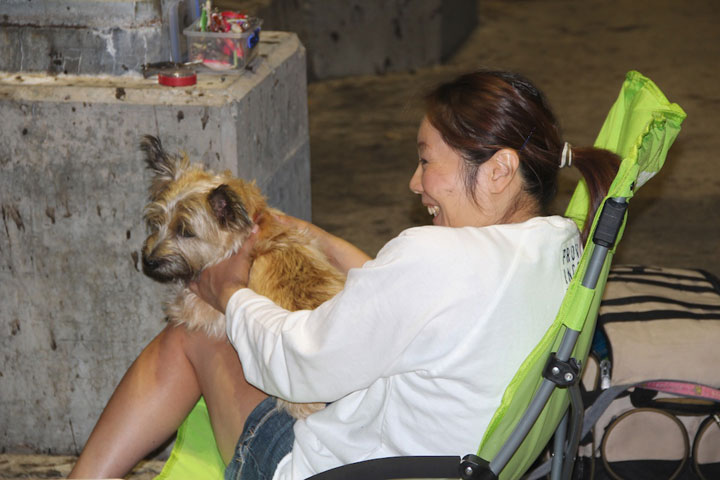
194 344
176 342
172 337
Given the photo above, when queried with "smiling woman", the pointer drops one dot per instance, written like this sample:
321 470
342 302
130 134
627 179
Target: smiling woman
490 196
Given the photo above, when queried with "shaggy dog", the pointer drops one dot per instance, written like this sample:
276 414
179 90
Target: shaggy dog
197 218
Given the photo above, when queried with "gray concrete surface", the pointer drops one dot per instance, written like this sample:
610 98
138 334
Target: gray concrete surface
76 309
350 37
86 36
342 37
363 129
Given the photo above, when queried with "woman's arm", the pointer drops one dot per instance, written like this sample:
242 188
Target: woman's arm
216 284
351 340
341 253
346 343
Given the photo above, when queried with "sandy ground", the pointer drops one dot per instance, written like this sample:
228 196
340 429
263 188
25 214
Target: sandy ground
363 130
57 466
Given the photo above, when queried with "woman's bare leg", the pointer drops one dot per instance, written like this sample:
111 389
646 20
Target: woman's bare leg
157 393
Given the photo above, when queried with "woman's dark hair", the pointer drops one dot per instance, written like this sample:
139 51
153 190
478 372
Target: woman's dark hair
479 113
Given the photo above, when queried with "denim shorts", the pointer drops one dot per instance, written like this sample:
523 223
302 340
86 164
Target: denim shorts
266 438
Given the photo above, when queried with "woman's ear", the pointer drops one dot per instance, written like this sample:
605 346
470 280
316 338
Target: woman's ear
501 169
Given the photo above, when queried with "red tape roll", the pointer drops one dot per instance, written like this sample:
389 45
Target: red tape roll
177 78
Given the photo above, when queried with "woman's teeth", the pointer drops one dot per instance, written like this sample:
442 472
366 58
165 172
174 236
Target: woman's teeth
433 210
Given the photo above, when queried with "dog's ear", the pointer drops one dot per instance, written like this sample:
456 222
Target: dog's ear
163 165
228 207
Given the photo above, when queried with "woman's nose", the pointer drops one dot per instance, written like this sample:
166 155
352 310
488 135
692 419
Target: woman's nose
415 181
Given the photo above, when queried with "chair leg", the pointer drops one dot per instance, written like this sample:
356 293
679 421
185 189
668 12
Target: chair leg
559 449
563 459
575 430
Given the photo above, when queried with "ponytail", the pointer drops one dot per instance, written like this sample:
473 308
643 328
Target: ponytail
598 168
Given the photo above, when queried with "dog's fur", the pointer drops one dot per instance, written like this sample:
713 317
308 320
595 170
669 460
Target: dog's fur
197 218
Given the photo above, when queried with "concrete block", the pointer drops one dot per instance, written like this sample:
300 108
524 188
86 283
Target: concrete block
113 51
81 13
76 309
371 36
87 36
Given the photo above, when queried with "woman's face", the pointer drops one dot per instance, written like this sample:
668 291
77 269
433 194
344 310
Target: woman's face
439 180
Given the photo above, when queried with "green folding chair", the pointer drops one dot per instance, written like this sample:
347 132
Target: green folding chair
543 399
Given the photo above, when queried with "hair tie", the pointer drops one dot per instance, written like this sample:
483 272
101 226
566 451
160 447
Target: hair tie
566 156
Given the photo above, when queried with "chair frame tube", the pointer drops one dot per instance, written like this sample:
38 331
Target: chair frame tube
536 406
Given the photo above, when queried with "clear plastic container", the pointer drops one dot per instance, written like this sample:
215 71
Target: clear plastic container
223 51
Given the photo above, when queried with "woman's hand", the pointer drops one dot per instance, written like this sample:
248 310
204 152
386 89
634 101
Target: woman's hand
216 284
341 253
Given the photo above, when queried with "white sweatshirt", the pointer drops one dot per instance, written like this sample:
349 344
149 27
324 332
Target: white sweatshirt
416 351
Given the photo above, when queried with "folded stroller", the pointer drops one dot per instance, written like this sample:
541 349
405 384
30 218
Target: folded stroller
543 398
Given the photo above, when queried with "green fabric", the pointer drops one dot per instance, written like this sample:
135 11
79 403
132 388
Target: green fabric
640 128
195 454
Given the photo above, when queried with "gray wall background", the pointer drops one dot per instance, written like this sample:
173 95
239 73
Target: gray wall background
361 37
342 37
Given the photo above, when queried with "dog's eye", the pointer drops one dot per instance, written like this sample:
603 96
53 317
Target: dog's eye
185 232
